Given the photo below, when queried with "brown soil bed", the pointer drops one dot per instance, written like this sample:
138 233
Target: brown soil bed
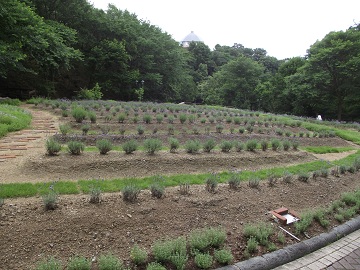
28 233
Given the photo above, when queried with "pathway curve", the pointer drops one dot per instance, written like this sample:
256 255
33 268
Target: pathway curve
23 142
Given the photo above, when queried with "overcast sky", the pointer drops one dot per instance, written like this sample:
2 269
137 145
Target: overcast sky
284 28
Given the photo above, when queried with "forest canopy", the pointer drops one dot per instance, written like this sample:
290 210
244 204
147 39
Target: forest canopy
65 48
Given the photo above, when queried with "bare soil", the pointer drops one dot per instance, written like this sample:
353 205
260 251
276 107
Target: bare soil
28 233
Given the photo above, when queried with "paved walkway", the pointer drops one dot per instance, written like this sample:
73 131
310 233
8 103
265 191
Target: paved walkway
342 254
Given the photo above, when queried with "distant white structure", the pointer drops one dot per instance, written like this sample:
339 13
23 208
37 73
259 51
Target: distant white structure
192 37
319 117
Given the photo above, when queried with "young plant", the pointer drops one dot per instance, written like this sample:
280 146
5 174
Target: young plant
130 146
219 128
239 146
75 147
147 118
157 188
303 177
138 256
251 145
79 263
212 182
192 146
252 245
174 144
226 146
85 129
287 177
264 145
64 129
79 114
179 260
140 129
209 145
275 144
92 116
234 181
254 182
203 261
121 117
286 145
223 256
95 194
130 193
104 146
49 264
52 147
50 200
152 145
109 262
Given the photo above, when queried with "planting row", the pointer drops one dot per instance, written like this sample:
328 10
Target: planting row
153 145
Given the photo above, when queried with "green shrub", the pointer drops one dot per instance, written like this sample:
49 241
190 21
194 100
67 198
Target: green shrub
241 130
286 145
129 146
64 129
50 200
121 117
152 145
49 264
157 190
252 245
92 116
182 118
254 182
85 129
163 250
147 118
239 146
261 232
95 194
275 144
203 261
219 128
304 223
281 237
287 177
104 146
209 145
79 263
234 181
264 145
79 114
10 101
155 266
75 148
226 146
92 94
130 193
159 118
303 176
320 216
223 256
295 145
138 256
192 146
140 129
204 239
110 262
174 144
251 145
52 147
179 260
212 182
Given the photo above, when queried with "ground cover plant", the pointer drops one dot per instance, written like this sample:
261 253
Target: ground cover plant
138 210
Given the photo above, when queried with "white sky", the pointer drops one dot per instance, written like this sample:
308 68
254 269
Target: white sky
284 28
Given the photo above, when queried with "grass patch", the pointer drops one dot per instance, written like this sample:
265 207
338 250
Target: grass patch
326 149
12 119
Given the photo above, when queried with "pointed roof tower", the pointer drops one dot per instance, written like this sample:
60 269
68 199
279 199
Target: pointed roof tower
192 37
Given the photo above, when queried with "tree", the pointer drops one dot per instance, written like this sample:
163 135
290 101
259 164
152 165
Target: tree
234 85
333 68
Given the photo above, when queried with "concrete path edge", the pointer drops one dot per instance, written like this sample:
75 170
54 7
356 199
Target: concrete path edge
290 253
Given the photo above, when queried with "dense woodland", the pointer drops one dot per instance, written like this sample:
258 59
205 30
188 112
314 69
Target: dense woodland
56 48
